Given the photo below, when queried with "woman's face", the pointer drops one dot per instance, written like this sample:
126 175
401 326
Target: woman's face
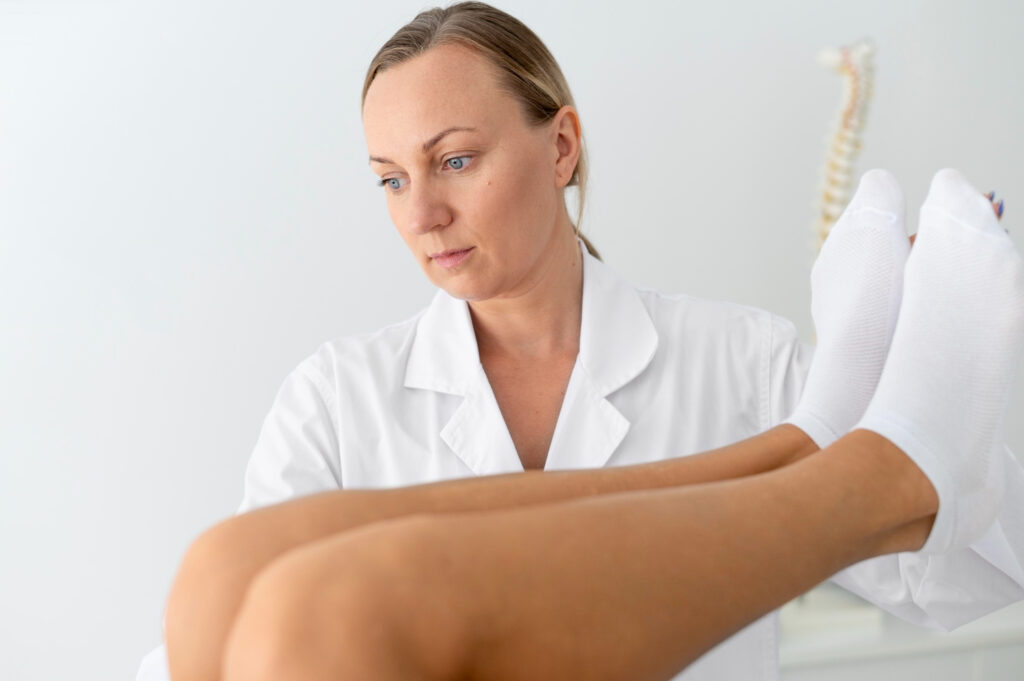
463 170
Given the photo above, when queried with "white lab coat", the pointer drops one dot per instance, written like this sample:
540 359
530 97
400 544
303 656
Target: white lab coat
657 376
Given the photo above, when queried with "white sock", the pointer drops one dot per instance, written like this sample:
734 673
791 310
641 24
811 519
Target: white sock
856 285
943 394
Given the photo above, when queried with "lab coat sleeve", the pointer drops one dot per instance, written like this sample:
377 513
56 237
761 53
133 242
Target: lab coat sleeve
296 454
936 591
154 666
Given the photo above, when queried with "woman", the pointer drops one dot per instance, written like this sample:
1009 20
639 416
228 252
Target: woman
472 130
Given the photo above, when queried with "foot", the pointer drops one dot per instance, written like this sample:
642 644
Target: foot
944 390
856 287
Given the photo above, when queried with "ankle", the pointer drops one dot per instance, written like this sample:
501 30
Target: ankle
797 444
909 537
909 489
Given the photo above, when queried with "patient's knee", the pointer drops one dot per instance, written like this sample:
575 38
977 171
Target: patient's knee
200 607
351 606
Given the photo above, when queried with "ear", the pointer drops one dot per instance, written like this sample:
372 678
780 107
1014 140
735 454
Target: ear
565 129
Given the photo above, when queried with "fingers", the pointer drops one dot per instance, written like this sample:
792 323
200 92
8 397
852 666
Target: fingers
997 206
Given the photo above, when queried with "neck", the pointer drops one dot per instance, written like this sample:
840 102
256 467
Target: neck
542 320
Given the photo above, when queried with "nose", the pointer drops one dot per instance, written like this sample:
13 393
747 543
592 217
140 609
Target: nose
426 209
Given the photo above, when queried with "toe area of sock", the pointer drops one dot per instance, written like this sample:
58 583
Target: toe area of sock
879 190
951 193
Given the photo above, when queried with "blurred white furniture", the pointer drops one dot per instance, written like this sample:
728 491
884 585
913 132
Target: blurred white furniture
826 639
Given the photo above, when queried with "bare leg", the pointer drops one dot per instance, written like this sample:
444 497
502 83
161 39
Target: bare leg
760 536
218 568
620 586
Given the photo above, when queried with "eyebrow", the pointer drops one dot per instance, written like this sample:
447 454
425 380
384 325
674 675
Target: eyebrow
428 144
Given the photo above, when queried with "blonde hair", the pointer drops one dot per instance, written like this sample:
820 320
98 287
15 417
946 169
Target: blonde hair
528 70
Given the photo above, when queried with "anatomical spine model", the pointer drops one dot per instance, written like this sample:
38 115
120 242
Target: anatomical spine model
855 64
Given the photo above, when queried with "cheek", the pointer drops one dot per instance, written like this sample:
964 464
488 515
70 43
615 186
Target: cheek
392 212
517 202
396 215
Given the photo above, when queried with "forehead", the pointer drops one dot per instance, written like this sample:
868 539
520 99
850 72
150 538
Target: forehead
446 86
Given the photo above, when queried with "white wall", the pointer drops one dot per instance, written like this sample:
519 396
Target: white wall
186 212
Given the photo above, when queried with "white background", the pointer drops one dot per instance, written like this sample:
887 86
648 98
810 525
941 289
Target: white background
186 212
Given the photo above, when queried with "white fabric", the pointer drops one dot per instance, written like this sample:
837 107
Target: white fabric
657 376
943 395
856 286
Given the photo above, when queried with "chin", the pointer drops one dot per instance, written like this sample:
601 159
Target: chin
465 285
463 288
467 293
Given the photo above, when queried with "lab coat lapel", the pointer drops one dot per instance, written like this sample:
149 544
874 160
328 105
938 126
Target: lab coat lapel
444 357
617 342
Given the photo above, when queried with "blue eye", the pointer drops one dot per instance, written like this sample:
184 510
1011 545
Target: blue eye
461 163
395 183
387 181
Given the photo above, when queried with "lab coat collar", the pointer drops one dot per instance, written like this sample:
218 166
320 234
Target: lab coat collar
617 342
444 356
617 336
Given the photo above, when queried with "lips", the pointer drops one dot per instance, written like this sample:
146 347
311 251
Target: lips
452 257
450 251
